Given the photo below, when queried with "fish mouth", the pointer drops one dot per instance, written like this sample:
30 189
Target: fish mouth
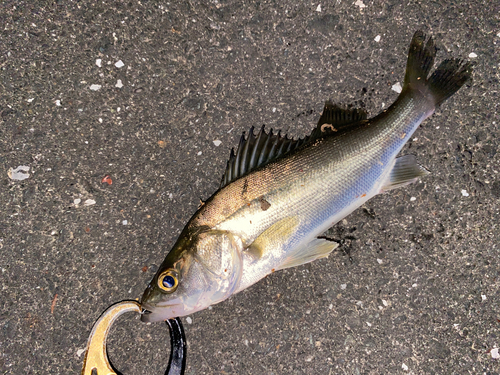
146 311
150 314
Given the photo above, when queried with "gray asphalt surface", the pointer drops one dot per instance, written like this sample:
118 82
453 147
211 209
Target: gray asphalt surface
421 294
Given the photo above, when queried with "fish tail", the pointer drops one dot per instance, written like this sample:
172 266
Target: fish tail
450 75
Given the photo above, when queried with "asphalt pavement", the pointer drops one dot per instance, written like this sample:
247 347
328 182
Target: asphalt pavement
117 117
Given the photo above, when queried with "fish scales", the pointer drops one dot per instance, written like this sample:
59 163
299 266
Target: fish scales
319 185
334 170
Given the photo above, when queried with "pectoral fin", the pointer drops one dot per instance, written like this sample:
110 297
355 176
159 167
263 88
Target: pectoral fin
316 249
405 171
273 236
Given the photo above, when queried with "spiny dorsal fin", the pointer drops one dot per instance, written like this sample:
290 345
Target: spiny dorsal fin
257 150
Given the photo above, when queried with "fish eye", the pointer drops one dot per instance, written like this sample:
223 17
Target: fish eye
167 281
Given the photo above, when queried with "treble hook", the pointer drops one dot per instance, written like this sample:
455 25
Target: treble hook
96 357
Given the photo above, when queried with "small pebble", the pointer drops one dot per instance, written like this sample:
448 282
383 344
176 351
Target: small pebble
360 4
189 320
95 87
89 202
464 193
119 64
397 87
472 55
20 173
119 84
98 62
494 353
318 9
377 38
217 143
413 199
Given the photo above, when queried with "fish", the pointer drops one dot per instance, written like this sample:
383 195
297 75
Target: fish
279 194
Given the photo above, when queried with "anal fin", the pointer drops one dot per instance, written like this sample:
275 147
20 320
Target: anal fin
316 249
405 171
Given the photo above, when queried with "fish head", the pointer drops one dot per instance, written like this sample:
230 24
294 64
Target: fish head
203 268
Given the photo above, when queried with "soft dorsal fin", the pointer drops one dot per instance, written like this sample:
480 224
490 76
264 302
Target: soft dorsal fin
335 118
257 150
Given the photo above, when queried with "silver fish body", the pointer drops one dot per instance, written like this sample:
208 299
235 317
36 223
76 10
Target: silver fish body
269 213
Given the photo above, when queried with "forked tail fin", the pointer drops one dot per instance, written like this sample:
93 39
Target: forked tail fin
450 75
